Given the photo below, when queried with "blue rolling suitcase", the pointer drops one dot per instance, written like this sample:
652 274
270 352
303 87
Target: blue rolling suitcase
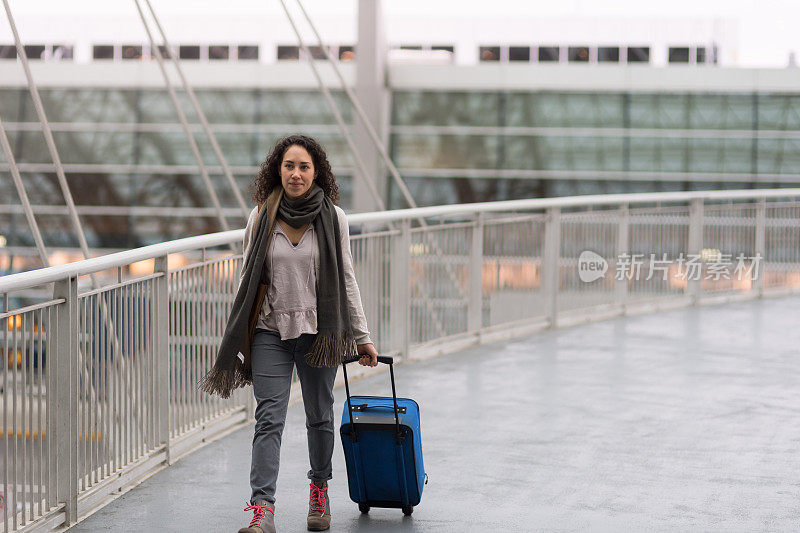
382 448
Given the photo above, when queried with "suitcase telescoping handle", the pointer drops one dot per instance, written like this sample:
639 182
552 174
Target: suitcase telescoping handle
386 359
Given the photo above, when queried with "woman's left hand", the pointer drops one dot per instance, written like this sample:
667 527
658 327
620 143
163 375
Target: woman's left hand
369 353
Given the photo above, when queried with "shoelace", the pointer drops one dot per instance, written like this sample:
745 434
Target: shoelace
258 513
318 498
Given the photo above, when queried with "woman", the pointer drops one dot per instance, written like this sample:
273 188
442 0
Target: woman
298 304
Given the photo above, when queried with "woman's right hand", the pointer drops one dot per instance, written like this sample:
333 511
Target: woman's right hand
369 354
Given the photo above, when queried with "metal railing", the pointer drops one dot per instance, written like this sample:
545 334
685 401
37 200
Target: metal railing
99 385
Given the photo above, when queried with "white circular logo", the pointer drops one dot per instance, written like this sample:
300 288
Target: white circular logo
591 266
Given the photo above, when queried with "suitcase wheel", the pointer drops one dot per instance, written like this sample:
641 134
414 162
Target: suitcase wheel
408 510
363 507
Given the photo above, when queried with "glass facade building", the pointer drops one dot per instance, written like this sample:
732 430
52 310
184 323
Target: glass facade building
135 180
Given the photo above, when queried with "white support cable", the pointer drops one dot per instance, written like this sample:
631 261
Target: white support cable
359 162
332 105
182 117
62 180
206 127
393 170
362 115
23 196
384 155
48 135
364 119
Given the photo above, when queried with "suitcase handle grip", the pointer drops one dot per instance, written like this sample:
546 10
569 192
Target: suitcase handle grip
385 359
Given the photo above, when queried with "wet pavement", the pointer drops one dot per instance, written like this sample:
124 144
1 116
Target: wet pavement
686 420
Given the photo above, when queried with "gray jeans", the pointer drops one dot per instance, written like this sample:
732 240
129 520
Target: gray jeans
272 362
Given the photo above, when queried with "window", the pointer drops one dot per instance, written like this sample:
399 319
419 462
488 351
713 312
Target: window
701 54
61 52
678 54
549 53
519 53
608 54
219 52
34 51
447 48
131 51
639 54
288 53
8 51
103 51
578 54
490 53
248 52
189 51
347 53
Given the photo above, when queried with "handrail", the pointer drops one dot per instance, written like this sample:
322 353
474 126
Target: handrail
41 276
33 278
570 201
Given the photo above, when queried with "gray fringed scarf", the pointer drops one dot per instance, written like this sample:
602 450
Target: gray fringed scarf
334 342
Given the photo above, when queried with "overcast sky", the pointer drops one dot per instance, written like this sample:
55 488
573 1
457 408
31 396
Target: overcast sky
767 29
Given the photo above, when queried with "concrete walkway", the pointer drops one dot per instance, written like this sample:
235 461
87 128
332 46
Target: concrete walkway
681 421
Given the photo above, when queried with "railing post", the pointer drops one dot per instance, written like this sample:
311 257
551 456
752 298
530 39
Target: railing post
400 275
623 243
552 254
161 368
371 278
761 244
65 346
475 306
694 286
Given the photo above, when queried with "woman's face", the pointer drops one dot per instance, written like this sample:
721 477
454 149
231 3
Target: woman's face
297 171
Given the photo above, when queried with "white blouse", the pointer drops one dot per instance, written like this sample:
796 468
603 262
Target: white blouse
292 291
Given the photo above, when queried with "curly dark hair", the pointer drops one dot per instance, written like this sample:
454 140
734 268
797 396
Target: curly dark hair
269 175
